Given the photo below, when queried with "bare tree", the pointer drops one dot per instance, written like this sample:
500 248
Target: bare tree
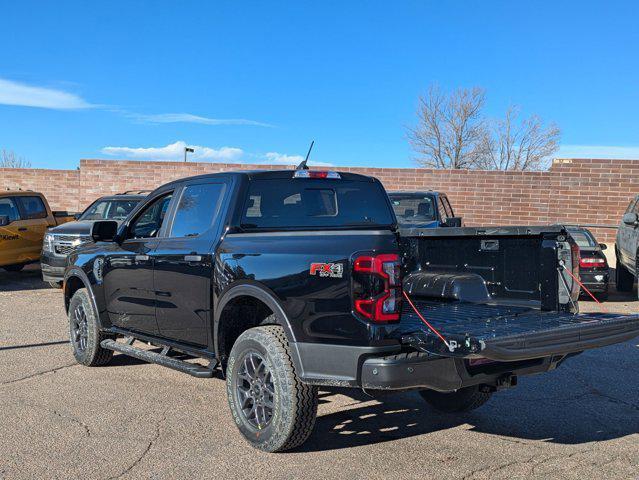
520 145
9 159
451 132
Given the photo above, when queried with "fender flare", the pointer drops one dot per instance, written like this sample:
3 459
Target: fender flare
263 294
78 273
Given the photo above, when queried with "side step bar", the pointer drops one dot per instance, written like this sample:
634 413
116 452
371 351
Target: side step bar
160 358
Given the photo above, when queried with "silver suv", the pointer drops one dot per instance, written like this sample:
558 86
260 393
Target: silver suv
627 247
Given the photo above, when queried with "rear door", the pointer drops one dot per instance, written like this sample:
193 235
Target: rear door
183 263
33 224
10 238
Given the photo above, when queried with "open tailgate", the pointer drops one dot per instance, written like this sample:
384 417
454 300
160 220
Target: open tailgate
509 333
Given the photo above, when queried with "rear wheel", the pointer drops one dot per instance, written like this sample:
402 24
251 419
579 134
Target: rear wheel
623 278
462 400
14 268
273 409
84 332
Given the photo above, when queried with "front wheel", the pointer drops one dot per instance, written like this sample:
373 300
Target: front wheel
271 406
462 400
84 332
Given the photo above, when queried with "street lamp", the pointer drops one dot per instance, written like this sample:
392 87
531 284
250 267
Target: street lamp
188 150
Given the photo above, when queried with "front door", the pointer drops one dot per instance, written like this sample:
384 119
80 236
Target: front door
184 264
10 238
32 227
128 270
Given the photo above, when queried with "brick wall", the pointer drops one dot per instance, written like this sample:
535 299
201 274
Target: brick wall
61 187
572 191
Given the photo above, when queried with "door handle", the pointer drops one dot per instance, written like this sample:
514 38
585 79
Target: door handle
22 229
193 258
141 258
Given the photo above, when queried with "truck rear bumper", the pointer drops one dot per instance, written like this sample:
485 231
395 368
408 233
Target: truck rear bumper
388 368
420 370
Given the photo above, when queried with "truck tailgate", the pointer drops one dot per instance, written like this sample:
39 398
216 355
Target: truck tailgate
509 333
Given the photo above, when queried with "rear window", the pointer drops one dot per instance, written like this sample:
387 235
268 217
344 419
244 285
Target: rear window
298 202
414 210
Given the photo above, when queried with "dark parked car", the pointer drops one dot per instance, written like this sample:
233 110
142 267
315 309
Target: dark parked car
290 280
627 248
593 266
425 209
60 241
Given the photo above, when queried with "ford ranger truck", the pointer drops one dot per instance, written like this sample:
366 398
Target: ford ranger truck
25 216
290 280
60 241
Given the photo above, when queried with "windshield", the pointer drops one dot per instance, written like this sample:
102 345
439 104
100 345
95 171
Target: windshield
109 210
583 238
414 210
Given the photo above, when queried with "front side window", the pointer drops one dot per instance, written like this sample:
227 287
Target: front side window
632 204
8 208
32 207
109 210
447 207
199 206
442 211
151 219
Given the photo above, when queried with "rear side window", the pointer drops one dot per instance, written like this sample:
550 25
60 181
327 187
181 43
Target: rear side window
304 203
8 208
32 207
198 208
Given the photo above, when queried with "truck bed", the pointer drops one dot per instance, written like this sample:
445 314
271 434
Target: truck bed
495 293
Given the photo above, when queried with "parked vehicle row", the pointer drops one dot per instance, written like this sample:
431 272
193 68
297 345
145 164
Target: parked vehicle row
290 280
25 216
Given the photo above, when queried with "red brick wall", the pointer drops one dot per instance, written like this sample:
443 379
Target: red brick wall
61 187
572 191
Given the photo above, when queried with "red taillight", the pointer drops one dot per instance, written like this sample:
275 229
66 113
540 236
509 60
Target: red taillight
590 262
377 294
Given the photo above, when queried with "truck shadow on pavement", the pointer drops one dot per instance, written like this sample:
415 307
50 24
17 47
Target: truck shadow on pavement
555 412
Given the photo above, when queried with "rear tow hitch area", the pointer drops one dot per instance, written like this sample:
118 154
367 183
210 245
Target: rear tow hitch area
455 346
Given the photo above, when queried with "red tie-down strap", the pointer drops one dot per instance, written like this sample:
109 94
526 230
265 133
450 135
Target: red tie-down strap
581 284
421 317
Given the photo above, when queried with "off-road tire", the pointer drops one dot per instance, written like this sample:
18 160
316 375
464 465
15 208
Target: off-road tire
56 285
623 277
463 400
93 355
294 402
14 268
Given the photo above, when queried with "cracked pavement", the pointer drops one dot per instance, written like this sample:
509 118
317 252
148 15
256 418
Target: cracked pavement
132 420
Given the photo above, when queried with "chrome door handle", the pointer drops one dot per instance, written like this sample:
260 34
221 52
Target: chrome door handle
193 258
141 258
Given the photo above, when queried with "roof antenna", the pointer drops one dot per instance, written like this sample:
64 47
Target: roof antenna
303 166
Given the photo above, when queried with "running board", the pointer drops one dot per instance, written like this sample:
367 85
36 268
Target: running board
160 358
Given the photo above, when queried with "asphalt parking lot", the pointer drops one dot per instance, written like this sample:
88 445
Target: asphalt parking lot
131 420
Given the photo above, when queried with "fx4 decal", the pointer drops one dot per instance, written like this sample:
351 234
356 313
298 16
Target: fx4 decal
334 270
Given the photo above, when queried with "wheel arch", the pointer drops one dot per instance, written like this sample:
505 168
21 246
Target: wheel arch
261 297
74 280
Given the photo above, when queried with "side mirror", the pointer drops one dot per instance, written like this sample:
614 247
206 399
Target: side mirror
104 231
4 220
631 219
453 222
603 246
77 216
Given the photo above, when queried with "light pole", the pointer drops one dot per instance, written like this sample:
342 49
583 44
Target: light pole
187 150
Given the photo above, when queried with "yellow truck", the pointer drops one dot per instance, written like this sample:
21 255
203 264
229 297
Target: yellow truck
25 216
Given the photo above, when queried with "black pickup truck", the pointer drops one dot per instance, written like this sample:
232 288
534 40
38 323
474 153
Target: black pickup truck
290 280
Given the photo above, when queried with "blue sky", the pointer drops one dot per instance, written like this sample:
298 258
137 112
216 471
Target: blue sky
256 81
